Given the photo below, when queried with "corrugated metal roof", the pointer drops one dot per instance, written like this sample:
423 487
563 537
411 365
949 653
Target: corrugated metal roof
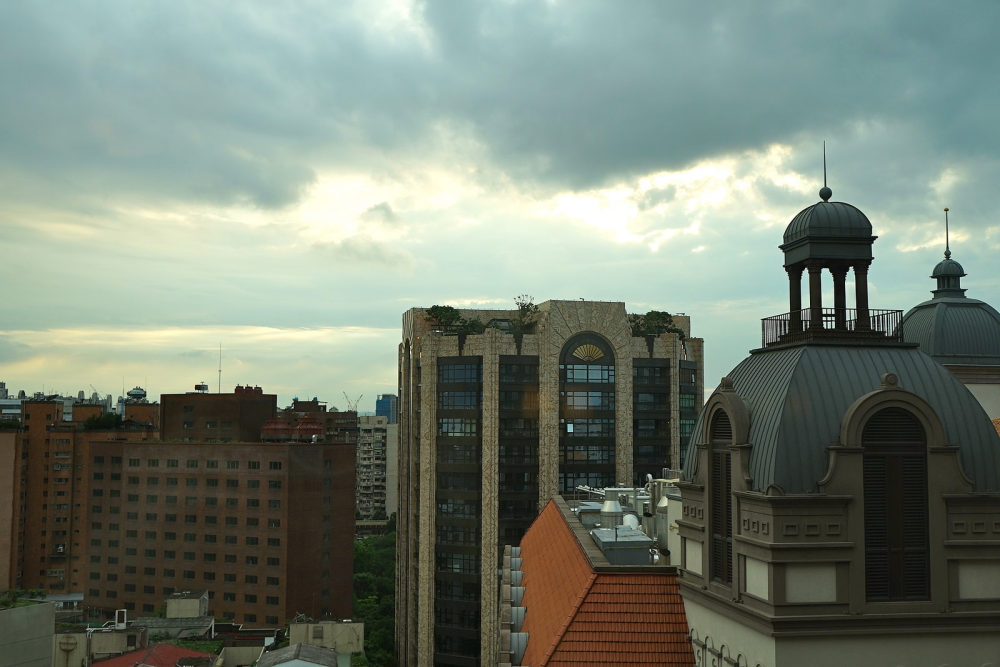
797 397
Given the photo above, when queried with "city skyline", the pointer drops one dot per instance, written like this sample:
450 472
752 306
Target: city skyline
287 182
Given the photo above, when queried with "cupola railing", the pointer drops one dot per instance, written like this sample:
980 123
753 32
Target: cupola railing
832 323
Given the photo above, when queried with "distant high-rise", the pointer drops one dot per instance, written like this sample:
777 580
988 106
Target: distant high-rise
387 405
501 410
376 440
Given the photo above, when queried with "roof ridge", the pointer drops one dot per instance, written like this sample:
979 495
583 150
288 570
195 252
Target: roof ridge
569 618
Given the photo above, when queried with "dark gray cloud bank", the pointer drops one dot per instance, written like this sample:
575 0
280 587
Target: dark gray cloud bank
109 107
241 102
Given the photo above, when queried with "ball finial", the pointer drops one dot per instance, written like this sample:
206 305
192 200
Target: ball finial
825 193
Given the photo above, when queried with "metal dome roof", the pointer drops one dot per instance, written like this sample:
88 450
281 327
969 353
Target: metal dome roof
948 267
797 397
955 330
828 219
952 328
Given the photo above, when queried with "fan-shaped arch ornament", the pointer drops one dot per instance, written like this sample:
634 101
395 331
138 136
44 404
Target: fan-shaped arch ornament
588 352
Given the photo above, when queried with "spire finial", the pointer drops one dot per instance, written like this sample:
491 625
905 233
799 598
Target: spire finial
947 244
825 193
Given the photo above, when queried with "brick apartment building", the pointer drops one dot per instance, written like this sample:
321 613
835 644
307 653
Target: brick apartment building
203 417
267 529
48 493
82 519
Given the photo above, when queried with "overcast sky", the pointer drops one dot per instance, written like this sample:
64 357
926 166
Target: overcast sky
287 178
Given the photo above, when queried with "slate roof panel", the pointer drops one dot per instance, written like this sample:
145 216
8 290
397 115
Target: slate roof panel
797 397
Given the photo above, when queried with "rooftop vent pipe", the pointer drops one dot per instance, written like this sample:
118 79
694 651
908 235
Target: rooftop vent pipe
611 514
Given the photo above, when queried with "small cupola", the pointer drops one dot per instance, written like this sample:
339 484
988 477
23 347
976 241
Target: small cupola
948 273
836 237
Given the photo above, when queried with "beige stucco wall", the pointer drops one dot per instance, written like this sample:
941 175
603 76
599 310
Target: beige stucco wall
978 580
810 582
716 630
238 656
344 637
692 555
900 650
26 635
187 607
70 650
757 578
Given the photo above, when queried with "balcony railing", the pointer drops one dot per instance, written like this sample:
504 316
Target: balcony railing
834 323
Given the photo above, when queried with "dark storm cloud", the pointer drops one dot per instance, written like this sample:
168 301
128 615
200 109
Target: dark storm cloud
243 103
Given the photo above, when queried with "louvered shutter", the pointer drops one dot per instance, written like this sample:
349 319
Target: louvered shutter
897 559
721 496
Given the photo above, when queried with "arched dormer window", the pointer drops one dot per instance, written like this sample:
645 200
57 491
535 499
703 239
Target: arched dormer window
897 557
721 511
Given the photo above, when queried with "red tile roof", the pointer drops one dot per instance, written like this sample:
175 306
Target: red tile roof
578 616
157 655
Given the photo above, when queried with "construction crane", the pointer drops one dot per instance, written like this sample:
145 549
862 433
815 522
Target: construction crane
352 406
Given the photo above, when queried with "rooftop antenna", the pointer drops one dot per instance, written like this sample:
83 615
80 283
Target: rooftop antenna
220 368
825 193
947 244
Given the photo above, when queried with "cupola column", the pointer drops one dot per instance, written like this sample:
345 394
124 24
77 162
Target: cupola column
815 295
861 296
794 298
839 272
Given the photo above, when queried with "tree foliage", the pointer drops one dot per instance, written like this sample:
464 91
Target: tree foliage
375 595
654 323
445 316
105 422
450 319
527 313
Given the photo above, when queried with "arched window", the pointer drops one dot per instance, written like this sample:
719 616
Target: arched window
586 413
895 477
721 498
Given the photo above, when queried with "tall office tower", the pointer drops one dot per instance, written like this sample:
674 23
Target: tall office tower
387 405
499 411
